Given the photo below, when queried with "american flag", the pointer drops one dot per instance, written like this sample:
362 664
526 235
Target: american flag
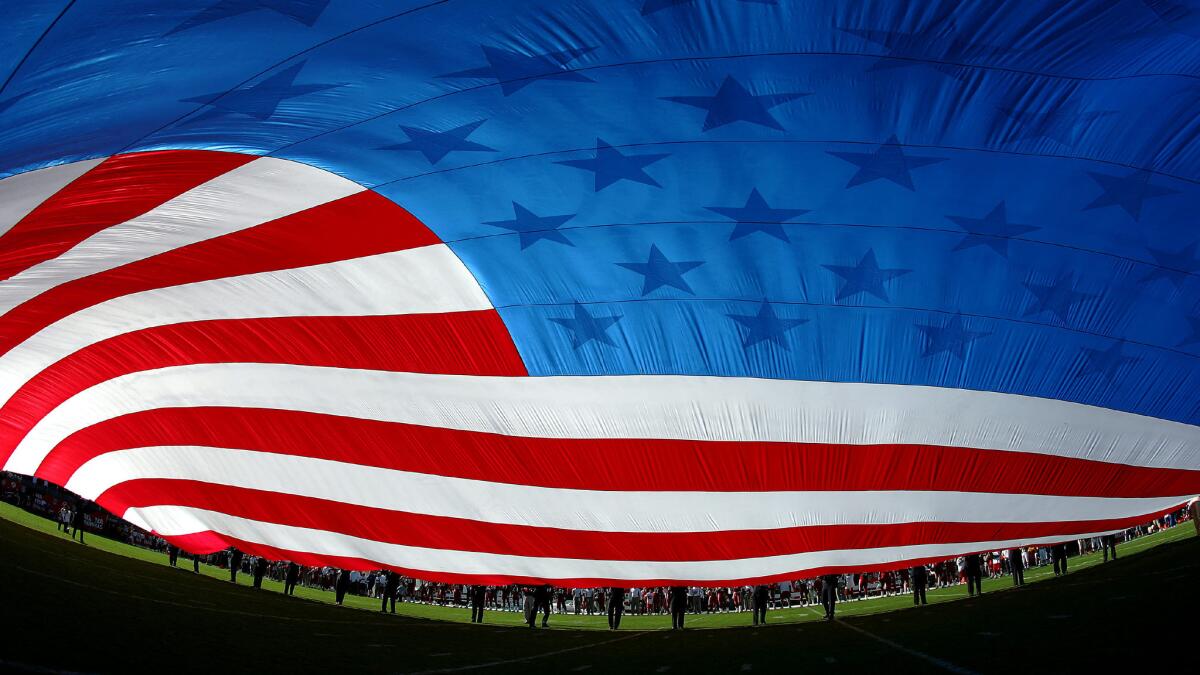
650 308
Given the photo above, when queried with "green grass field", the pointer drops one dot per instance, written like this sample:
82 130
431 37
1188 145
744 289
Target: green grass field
110 607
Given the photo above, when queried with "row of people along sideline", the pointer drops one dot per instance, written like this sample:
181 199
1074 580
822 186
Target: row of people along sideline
540 601
75 516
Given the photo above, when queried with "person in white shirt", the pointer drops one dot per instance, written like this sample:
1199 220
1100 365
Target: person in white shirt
64 519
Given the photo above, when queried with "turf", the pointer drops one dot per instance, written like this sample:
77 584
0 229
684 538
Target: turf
82 608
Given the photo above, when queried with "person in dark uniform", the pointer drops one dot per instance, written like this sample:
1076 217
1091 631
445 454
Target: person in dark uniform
829 584
341 585
1016 562
920 581
1058 553
529 604
172 555
196 563
678 601
541 601
974 572
290 578
77 523
390 589
260 570
478 594
235 561
762 594
1109 542
616 607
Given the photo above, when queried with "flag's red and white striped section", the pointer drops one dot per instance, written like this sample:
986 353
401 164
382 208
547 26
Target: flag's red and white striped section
464 534
643 407
617 512
64 236
253 193
183 521
405 282
22 193
228 349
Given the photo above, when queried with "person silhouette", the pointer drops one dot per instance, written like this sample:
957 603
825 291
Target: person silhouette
678 600
235 561
974 573
341 586
1058 554
762 596
1109 543
1016 562
920 581
829 585
541 601
478 594
616 607
77 523
260 570
290 578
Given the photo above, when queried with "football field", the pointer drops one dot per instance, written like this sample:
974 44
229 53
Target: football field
109 607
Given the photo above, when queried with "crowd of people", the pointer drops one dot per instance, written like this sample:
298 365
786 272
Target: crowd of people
541 601
73 516
679 601
56 503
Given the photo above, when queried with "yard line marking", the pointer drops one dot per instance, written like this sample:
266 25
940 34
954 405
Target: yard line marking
940 663
531 657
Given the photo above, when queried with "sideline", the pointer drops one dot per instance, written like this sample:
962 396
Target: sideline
791 616
532 657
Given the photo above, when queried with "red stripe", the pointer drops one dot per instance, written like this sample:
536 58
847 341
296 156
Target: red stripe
207 542
360 225
119 188
470 343
616 464
415 529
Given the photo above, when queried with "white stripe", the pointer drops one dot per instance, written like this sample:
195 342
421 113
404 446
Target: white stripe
641 406
178 520
430 279
588 510
22 193
257 192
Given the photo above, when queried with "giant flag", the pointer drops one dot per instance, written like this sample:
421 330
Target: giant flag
603 291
